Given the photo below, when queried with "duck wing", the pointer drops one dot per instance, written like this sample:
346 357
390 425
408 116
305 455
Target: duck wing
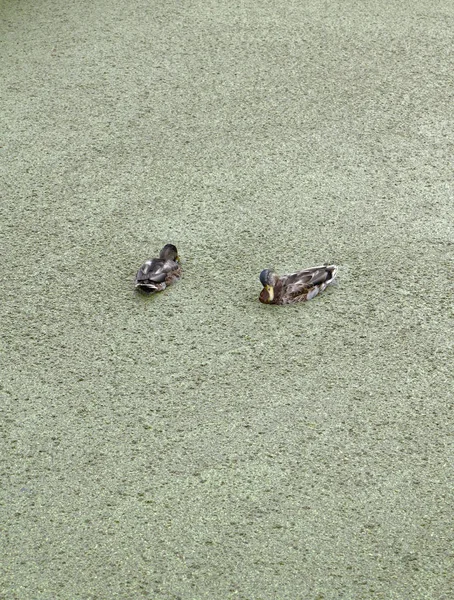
156 274
152 270
308 282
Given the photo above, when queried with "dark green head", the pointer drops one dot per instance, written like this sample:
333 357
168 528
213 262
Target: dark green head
268 278
169 252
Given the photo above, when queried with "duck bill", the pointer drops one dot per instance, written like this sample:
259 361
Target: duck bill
267 295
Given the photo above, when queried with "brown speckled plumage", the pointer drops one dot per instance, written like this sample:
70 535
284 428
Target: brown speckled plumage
296 287
157 273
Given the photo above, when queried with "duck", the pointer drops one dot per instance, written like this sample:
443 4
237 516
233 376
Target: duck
157 273
295 287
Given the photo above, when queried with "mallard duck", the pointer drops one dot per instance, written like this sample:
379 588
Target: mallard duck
157 273
297 287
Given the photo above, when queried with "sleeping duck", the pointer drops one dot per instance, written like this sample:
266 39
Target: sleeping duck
157 273
296 287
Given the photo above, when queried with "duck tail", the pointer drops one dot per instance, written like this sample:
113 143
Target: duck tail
333 271
150 288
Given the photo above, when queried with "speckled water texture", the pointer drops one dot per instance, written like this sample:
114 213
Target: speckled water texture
198 445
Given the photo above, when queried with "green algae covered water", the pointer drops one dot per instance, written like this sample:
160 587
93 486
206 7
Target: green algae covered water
197 444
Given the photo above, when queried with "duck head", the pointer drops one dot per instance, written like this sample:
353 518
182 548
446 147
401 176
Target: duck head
268 279
169 252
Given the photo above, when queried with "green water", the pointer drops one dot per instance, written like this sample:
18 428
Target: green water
197 444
